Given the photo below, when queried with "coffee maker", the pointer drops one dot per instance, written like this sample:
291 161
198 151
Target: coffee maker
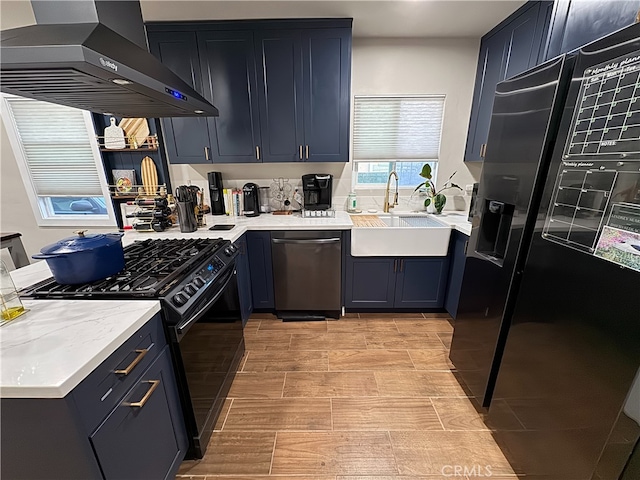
216 193
317 191
251 200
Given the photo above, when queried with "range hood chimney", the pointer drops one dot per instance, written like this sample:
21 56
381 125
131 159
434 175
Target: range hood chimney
93 55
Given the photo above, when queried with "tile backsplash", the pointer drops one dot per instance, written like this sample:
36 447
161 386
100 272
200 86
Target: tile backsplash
235 176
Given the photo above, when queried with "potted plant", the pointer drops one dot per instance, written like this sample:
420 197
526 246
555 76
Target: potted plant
436 200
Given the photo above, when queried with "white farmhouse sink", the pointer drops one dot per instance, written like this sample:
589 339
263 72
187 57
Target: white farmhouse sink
404 236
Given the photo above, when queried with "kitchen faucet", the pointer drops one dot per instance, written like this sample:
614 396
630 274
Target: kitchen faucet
388 205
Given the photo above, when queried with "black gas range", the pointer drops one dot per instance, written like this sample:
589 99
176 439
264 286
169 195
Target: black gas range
195 281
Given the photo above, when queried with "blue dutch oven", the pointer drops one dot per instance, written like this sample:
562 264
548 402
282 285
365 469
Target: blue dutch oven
84 258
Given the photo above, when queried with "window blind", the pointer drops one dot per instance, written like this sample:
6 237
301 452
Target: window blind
57 148
397 128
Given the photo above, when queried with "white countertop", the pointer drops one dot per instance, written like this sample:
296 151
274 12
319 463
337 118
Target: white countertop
342 221
49 350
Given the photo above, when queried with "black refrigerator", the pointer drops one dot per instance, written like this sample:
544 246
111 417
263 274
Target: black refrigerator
547 335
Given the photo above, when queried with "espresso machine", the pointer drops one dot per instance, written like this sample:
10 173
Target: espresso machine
251 200
317 188
216 193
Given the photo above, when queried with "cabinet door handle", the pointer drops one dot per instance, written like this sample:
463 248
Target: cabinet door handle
301 152
141 353
257 152
145 399
307 152
483 150
206 153
401 264
395 266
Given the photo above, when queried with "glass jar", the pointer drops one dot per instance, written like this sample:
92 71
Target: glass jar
351 202
10 303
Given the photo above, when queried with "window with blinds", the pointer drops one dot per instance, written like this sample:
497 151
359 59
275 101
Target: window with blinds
399 133
59 162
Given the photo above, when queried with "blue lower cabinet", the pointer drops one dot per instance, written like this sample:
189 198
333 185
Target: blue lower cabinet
383 282
421 282
370 282
259 254
110 426
244 280
457 253
144 436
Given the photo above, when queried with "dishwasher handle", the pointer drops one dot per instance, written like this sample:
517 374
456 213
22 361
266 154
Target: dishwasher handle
314 241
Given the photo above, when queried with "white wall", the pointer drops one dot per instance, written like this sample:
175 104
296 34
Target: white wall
15 211
385 66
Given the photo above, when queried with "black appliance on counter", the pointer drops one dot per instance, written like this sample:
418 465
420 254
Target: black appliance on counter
186 203
251 199
195 281
317 189
548 324
216 193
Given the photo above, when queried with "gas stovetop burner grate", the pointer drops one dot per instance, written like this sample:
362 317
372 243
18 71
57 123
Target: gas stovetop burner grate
150 267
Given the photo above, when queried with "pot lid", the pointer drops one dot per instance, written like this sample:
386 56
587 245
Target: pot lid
82 242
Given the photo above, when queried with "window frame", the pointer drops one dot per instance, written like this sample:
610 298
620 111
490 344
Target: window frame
40 204
373 186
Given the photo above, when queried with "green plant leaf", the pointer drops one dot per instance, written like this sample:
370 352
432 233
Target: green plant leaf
427 202
439 202
418 187
456 186
426 171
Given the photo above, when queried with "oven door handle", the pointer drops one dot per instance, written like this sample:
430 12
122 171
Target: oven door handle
182 327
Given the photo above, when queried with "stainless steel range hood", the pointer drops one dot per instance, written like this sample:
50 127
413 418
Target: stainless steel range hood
92 55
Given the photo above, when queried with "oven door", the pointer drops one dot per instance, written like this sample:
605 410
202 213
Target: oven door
208 346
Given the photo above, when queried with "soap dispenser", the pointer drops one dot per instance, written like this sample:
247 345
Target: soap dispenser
10 303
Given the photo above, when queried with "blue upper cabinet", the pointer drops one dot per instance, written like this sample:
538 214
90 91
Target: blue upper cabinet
537 31
186 138
282 89
512 47
227 60
279 54
576 23
327 81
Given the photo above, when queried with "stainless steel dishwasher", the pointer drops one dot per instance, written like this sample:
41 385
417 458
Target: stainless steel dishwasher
307 270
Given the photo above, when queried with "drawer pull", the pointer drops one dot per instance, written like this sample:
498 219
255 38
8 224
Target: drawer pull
145 399
136 361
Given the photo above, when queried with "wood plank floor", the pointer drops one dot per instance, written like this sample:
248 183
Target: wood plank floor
366 397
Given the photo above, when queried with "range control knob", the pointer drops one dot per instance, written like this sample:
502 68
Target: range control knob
179 299
199 282
190 289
